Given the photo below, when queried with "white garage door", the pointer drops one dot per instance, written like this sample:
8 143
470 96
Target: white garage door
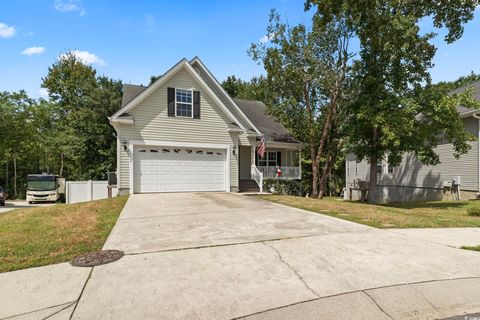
172 169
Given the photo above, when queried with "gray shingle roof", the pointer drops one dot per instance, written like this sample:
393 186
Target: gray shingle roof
476 95
256 112
130 91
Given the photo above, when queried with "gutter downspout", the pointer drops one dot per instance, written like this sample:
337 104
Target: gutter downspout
477 116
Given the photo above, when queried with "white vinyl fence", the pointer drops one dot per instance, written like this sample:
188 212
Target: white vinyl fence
80 191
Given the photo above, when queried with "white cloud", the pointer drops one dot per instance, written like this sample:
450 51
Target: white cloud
6 31
86 57
43 93
266 38
70 6
33 50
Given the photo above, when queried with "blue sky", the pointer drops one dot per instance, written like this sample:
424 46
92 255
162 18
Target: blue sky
132 40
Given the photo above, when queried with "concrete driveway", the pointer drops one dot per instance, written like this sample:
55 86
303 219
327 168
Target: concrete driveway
227 256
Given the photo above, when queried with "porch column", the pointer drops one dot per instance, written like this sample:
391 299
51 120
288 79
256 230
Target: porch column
252 158
299 163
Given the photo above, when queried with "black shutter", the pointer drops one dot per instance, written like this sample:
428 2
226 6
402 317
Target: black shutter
279 158
196 104
171 102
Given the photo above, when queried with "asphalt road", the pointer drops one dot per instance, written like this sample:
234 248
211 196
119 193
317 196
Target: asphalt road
19 204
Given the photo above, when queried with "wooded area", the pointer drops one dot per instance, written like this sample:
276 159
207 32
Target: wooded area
68 135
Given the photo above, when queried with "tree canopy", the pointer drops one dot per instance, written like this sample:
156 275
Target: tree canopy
69 134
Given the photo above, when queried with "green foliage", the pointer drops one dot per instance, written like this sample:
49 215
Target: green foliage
255 89
474 212
395 109
69 134
286 187
307 79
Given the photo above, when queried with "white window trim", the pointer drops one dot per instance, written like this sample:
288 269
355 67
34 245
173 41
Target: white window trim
191 104
266 159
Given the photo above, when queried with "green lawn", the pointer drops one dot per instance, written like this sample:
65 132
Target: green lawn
437 214
477 248
40 236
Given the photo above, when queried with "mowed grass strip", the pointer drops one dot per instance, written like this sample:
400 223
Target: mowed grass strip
40 236
435 214
477 248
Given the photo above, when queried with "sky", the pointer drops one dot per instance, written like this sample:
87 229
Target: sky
132 40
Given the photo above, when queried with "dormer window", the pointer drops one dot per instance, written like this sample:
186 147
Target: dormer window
183 103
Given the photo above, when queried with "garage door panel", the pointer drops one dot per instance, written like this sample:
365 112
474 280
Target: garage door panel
179 169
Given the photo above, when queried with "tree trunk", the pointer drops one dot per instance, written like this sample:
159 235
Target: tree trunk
315 177
372 185
6 175
323 177
14 156
61 165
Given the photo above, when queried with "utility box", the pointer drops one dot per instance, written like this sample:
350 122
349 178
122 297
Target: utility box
456 181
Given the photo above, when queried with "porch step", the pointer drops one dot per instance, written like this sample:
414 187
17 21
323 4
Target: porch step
248 186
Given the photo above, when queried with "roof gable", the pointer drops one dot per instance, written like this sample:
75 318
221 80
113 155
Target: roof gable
223 95
136 95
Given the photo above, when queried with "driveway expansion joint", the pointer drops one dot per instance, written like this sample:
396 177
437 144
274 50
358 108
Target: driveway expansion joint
67 304
293 269
351 292
81 293
378 306
63 309
242 243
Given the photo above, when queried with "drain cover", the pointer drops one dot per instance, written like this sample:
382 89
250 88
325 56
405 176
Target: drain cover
97 258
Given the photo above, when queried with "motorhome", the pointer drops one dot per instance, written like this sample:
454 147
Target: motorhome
45 188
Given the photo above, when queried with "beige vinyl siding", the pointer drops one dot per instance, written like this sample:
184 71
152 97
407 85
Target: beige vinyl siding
412 173
211 83
152 123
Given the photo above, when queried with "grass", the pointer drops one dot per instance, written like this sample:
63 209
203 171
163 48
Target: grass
435 214
477 248
40 236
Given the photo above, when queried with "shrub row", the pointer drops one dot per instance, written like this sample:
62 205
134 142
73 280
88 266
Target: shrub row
287 187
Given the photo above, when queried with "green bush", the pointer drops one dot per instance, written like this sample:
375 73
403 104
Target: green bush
474 212
288 187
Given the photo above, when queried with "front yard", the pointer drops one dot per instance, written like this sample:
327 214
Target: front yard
40 236
437 214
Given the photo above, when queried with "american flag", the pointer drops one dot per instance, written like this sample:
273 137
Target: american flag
261 147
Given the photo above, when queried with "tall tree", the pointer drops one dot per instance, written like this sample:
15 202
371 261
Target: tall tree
307 70
255 89
83 136
391 72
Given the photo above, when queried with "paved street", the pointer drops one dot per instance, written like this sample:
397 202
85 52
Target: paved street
226 256
19 204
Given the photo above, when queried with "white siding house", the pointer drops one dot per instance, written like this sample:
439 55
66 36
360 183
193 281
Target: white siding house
413 181
183 133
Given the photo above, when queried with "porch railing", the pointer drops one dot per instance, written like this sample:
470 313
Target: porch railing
287 172
257 175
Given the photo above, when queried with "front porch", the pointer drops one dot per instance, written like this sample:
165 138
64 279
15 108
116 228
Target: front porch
251 167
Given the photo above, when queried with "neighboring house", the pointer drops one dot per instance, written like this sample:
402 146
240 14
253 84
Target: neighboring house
184 133
413 181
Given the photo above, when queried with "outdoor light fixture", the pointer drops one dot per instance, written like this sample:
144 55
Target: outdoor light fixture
234 149
124 144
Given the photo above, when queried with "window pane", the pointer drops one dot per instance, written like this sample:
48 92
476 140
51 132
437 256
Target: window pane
184 110
184 103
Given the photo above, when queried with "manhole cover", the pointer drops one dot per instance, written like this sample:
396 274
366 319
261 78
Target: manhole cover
97 258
